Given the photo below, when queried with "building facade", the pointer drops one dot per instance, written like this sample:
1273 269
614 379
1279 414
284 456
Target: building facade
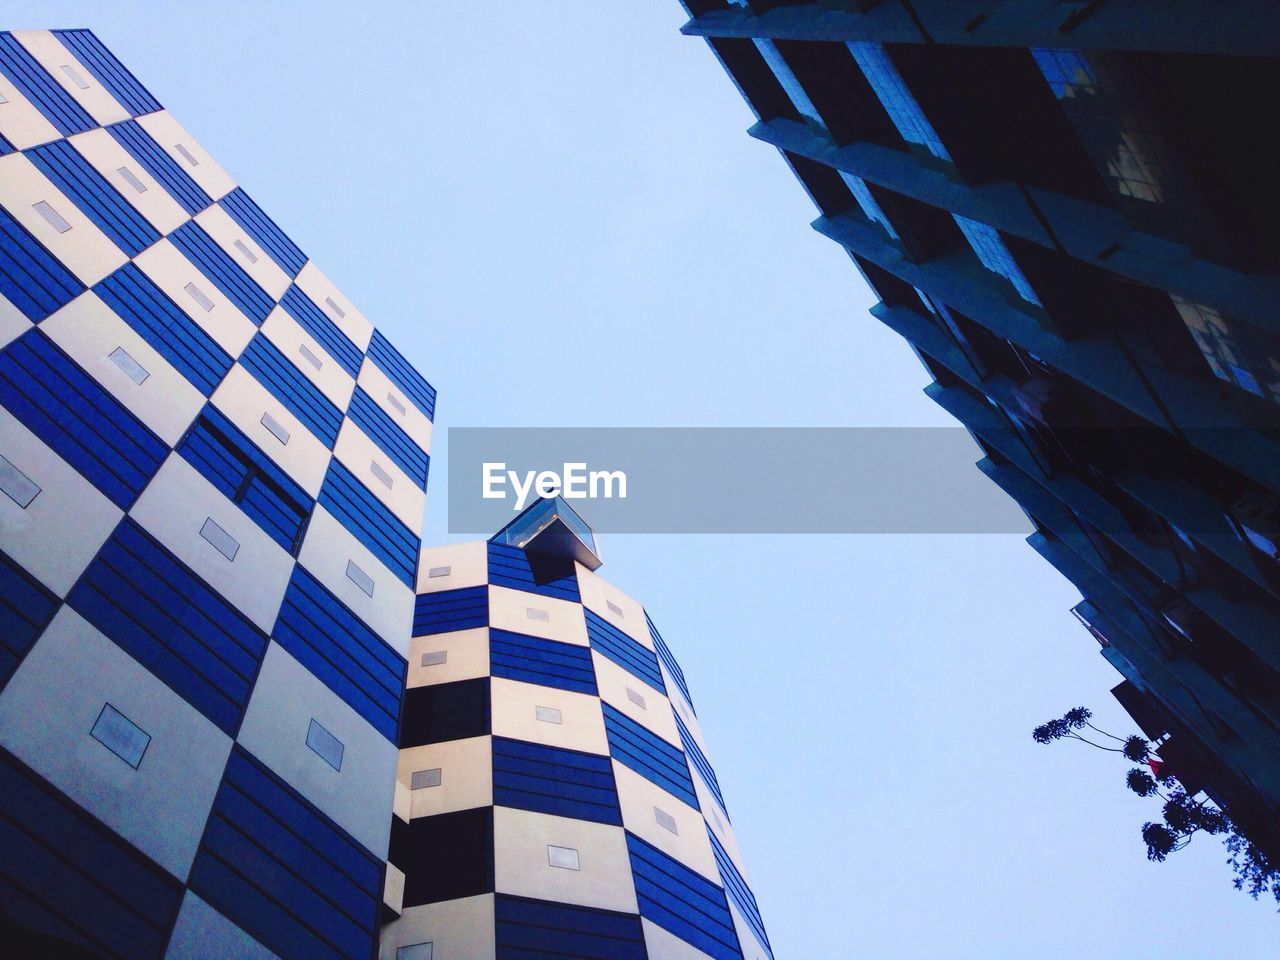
554 796
1070 211
213 471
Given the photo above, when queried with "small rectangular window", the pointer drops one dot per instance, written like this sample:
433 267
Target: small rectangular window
614 608
421 779
566 858
52 216
395 402
334 307
74 77
186 155
219 539
120 735
666 821
382 475
636 698
131 367
434 658
20 488
548 714
533 613
414 951
245 251
128 177
359 578
439 571
275 428
310 357
325 745
3 98
199 297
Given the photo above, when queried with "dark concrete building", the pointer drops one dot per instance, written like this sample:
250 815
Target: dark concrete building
1070 211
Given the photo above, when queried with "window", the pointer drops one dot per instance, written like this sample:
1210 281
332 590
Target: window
74 77
199 297
245 251
131 179
120 735
666 821
395 402
275 428
20 488
129 366
52 216
439 572
310 357
1066 71
360 578
548 714
898 101
533 613
995 256
434 658
219 539
614 608
325 745
383 477
334 307
566 858
186 155
414 951
422 779
636 698
1237 353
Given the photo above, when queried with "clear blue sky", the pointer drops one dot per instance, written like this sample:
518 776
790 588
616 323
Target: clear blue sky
554 210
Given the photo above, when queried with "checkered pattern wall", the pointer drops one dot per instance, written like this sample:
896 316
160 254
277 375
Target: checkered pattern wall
213 472
554 796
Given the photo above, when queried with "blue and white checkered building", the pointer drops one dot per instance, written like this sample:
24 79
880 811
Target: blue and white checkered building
213 472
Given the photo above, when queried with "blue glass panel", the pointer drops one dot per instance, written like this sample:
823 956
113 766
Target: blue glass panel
565 783
565 666
639 749
682 902
700 762
735 885
631 655
995 256
31 278
450 610
669 661
389 436
511 567
402 373
312 319
529 929
227 275
26 607
290 386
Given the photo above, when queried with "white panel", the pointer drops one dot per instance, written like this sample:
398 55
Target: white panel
326 548
287 334
393 888
598 593
63 528
468 565
509 610
202 933
21 123
412 420
173 509
466 775
357 451
613 683
637 797
109 158
244 400
661 945
467 654
457 929
225 232
717 821
78 669
171 271
13 322
89 330
521 867
170 134
286 698
84 249
50 53
321 289
514 715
